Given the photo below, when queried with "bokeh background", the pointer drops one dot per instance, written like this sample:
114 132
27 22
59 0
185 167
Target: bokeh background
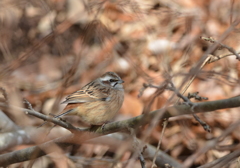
51 48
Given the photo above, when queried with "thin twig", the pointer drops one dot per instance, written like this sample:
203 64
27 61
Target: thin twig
137 148
185 99
211 144
205 126
214 58
159 142
230 49
142 161
43 117
29 104
196 96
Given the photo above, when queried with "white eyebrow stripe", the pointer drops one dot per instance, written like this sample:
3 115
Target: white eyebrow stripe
106 77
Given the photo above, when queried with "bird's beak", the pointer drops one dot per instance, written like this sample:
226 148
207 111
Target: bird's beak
121 81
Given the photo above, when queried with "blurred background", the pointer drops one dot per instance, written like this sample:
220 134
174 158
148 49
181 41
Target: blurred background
51 48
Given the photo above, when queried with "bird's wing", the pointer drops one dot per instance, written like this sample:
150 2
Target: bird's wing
86 95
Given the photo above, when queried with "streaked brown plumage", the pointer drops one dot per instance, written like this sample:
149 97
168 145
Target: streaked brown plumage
98 101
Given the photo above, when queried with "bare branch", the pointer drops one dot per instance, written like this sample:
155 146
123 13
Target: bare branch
79 136
230 49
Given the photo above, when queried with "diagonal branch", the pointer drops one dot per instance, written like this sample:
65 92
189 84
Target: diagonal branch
81 136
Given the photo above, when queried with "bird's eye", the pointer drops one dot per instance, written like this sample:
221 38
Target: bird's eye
112 80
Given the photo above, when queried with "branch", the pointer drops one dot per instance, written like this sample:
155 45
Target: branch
79 136
230 49
222 161
115 141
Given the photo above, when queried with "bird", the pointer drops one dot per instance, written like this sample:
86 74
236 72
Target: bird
98 101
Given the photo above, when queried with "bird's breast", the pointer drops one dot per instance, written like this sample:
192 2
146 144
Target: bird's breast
101 111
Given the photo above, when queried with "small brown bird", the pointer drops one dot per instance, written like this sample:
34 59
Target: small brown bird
98 101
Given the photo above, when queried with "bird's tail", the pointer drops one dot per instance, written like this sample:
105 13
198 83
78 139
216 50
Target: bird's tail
60 115
67 112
